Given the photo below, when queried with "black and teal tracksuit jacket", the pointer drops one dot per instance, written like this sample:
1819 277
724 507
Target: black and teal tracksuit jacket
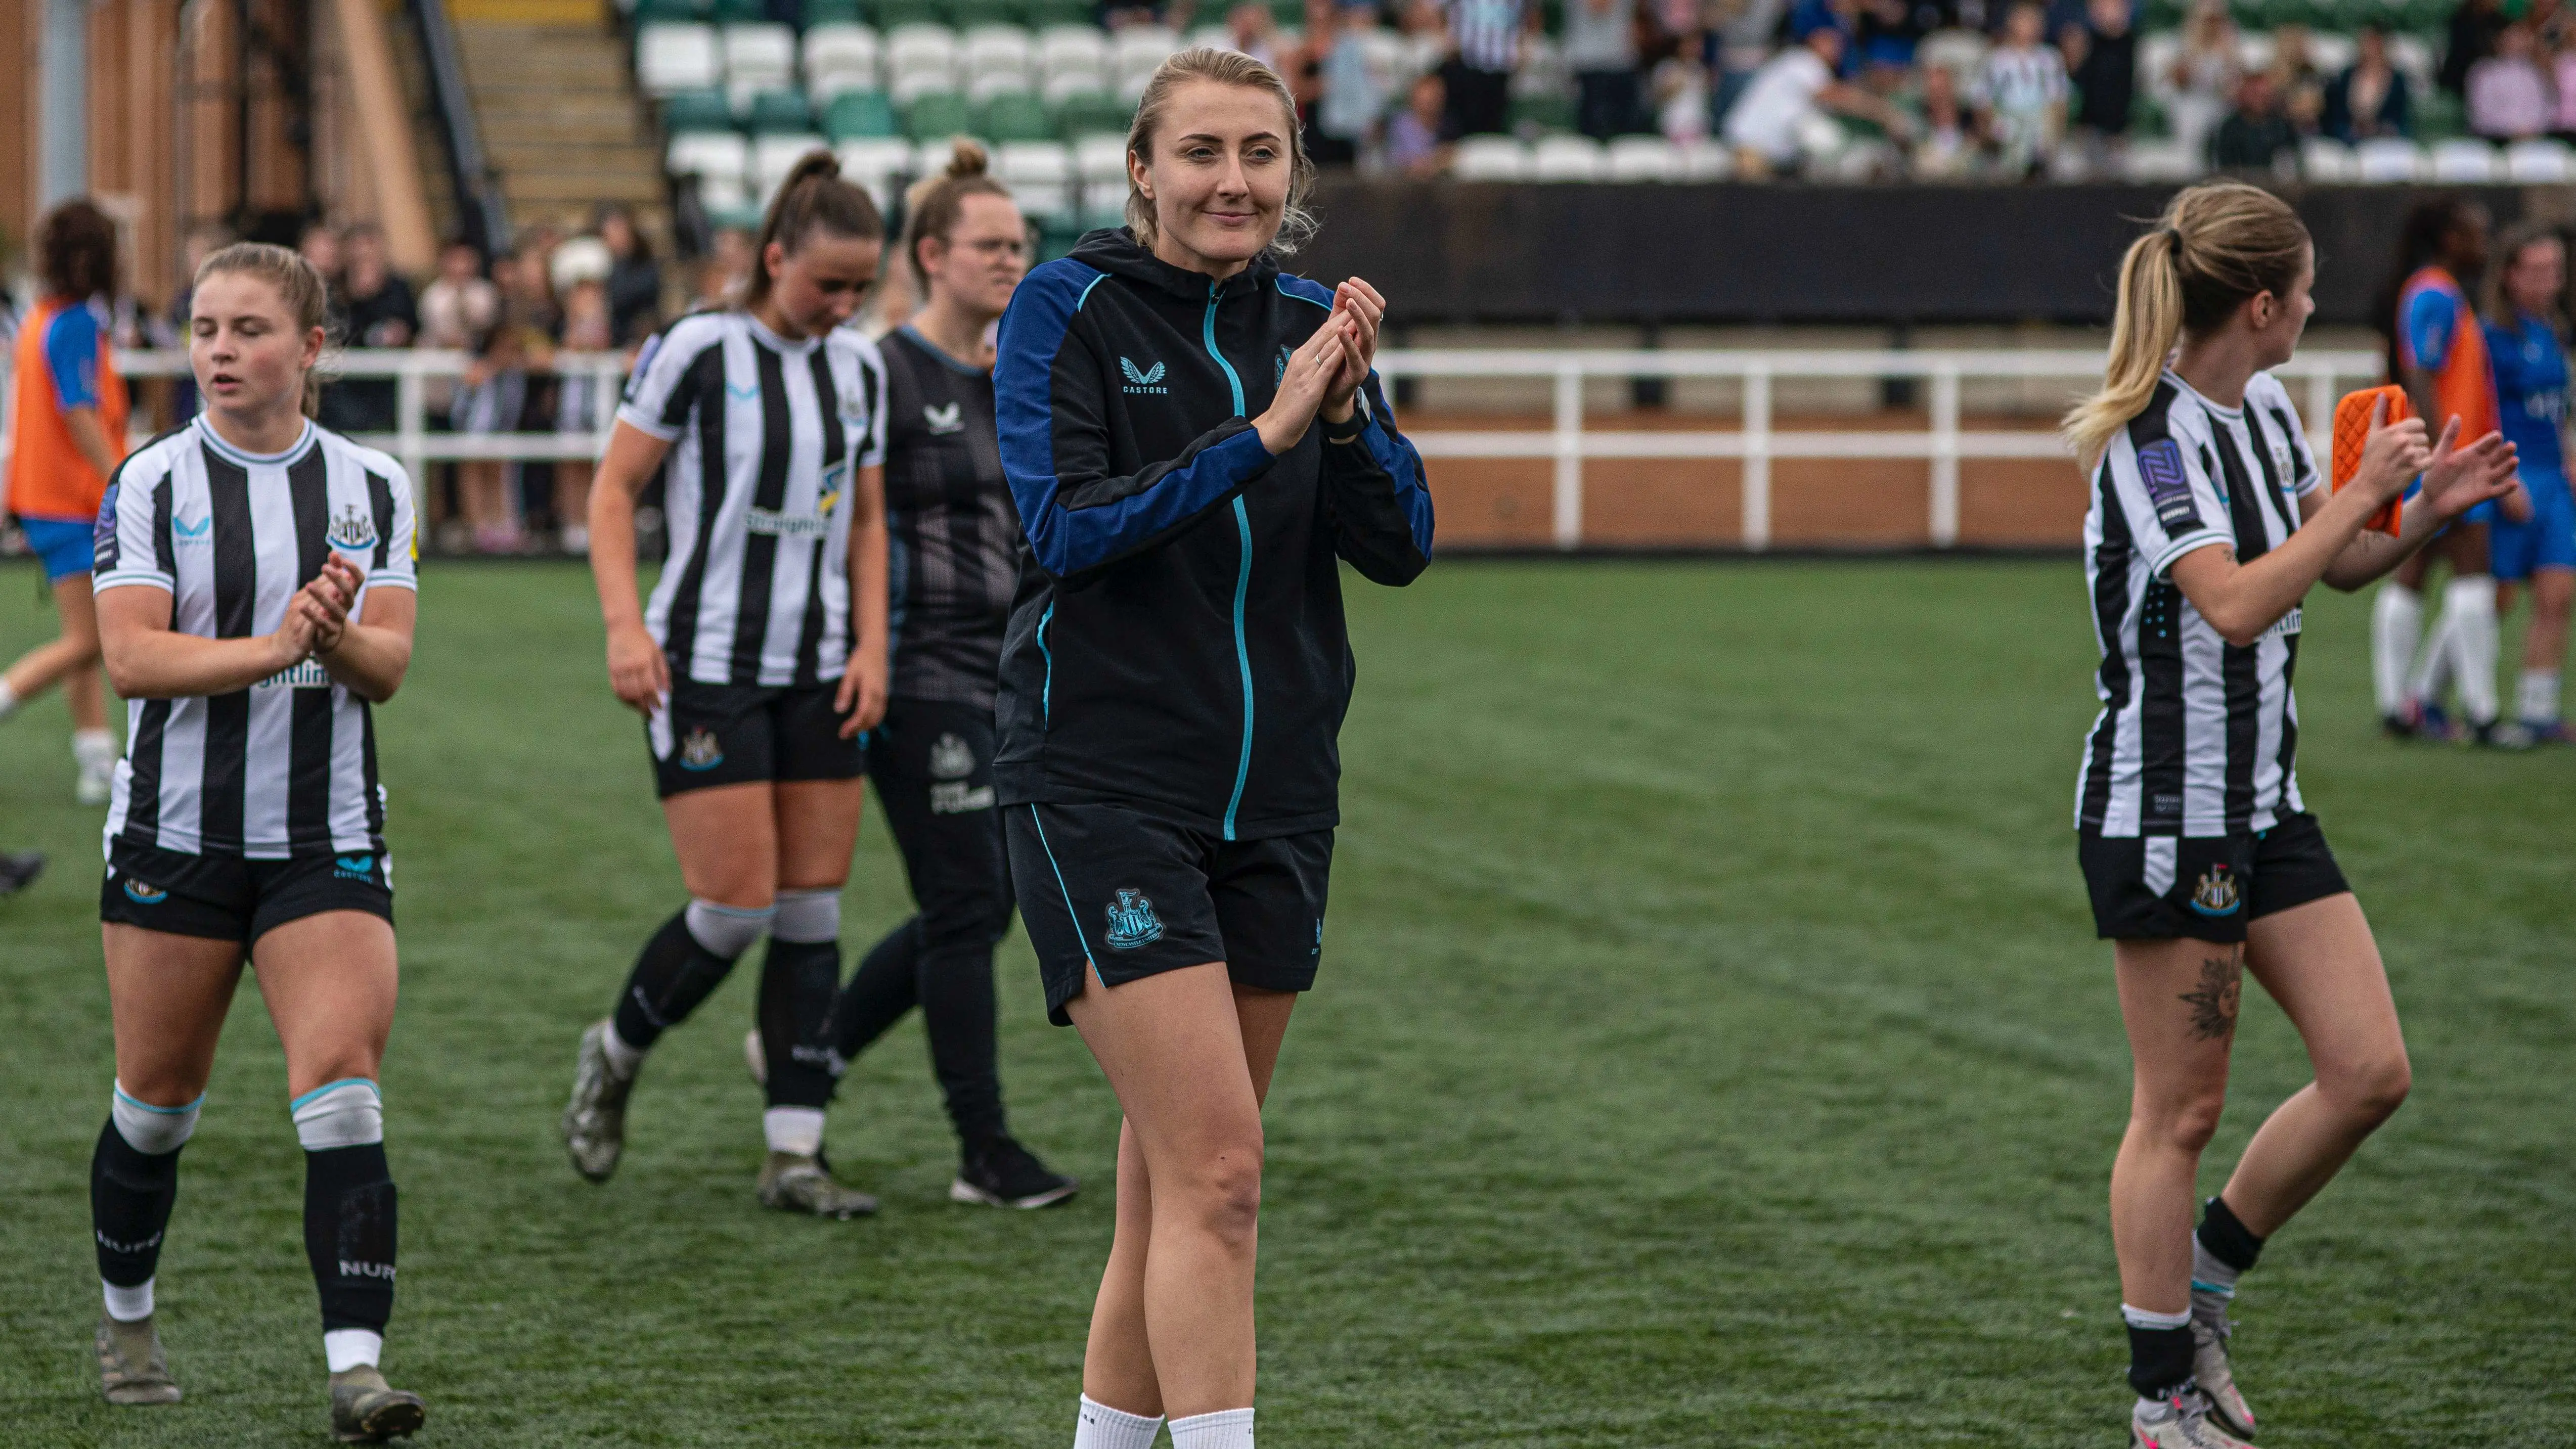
1177 640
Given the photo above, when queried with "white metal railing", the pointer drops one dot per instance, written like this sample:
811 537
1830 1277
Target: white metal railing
1755 440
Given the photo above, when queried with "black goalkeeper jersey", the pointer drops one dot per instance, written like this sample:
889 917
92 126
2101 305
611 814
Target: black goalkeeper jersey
954 528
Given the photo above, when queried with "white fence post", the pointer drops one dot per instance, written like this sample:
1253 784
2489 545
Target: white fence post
1757 457
1945 455
1569 456
411 422
2321 406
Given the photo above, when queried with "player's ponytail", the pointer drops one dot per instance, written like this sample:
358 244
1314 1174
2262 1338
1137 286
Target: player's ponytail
2215 246
813 198
299 286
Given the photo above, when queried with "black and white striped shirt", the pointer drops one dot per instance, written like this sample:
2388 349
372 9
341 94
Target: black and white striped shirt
1487 33
2196 736
768 435
956 531
287 766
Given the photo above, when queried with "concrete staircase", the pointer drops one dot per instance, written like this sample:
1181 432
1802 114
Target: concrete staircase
561 121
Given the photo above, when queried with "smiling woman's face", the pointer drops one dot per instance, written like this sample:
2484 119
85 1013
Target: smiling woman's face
1218 177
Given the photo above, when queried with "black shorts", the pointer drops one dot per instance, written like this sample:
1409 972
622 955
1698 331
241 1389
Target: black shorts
229 898
2204 887
1114 893
732 734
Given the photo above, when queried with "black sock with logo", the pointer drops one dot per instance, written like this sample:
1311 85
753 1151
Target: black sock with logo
349 1234
798 981
130 1194
672 975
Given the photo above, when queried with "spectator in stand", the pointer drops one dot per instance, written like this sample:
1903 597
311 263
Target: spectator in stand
1736 44
2371 98
635 282
380 313
2021 92
2297 80
2103 63
1250 29
1948 150
320 245
2204 75
1346 117
1792 86
1484 50
2475 28
1679 90
2509 97
2257 136
580 408
1414 144
725 270
492 399
1601 50
457 310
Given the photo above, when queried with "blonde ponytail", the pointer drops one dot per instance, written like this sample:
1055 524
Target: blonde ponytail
2215 246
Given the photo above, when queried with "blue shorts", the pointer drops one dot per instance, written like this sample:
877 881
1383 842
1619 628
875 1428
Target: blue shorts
2483 513
2548 541
67 545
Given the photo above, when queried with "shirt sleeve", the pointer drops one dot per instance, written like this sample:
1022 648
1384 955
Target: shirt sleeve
2432 321
132 544
2163 488
71 357
658 396
873 376
394 563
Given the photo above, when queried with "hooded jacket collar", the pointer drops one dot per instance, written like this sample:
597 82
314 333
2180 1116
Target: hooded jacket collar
1114 250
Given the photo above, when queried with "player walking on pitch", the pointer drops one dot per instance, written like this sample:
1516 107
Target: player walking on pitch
957 542
2531 386
2208 525
758 662
1194 439
255 597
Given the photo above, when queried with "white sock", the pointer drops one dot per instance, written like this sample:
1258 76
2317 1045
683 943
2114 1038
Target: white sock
622 1058
127 1305
797 1131
1224 1429
346 1348
1102 1427
2209 1272
2470 600
2396 628
2433 666
2536 700
93 750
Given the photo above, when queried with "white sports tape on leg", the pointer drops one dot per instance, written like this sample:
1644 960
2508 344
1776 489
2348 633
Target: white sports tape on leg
347 1113
727 931
152 1130
806 916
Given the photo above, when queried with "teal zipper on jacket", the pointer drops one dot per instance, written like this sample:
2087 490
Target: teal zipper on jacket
1242 579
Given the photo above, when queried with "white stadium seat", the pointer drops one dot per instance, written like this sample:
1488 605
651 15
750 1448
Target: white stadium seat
1491 158
1099 158
670 58
876 162
932 156
2159 161
772 157
1072 58
997 58
1568 158
1136 53
2539 163
2330 53
2255 49
723 155
759 57
1216 36
920 58
2389 158
2156 55
1040 175
1643 158
2465 162
842 58
1706 160
2410 54
1960 52
2325 159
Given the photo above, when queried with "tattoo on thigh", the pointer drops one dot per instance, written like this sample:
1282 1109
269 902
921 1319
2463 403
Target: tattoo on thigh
2213 1006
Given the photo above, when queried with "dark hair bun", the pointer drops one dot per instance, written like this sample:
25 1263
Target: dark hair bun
966 157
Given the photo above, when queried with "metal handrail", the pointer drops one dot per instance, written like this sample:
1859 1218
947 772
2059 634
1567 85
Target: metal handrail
1756 441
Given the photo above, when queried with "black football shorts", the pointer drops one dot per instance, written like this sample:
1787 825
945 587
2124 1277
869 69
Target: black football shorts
2204 887
732 734
229 898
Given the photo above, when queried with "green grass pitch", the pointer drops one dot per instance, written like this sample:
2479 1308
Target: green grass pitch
1711 1048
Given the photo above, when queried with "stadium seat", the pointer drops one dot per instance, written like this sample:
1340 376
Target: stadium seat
1086 113
996 59
2389 158
1072 58
1015 116
783 112
842 58
2327 160
2465 163
1567 158
2331 53
718 155
1642 158
772 157
1543 69
877 163
706 110
977 14
1705 160
2255 49
920 59
1542 112
1135 53
2159 161
1100 166
2157 53
1383 52
1491 158
651 12
853 114
737 12
831 12
670 58
1963 52
894 14
759 57
2539 163
1040 175
1048 14
937 115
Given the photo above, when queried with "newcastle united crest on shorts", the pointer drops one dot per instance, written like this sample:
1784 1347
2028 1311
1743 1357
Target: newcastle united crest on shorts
2216 895
1132 922
950 759
699 750
351 530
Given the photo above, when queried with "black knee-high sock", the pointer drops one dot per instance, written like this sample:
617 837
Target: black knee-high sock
957 1013
130 1194
2226 1237
672 975
349 1234
885 986
2159 1359
798 981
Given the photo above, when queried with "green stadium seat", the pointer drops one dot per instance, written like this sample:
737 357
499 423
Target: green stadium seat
891 13
1057 241
834 12
967 14
696 111
853 114
1015 116
780 112
1288 14
737 12
1544 113
937 115
1043 13
1087 112
648 11
2439 116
